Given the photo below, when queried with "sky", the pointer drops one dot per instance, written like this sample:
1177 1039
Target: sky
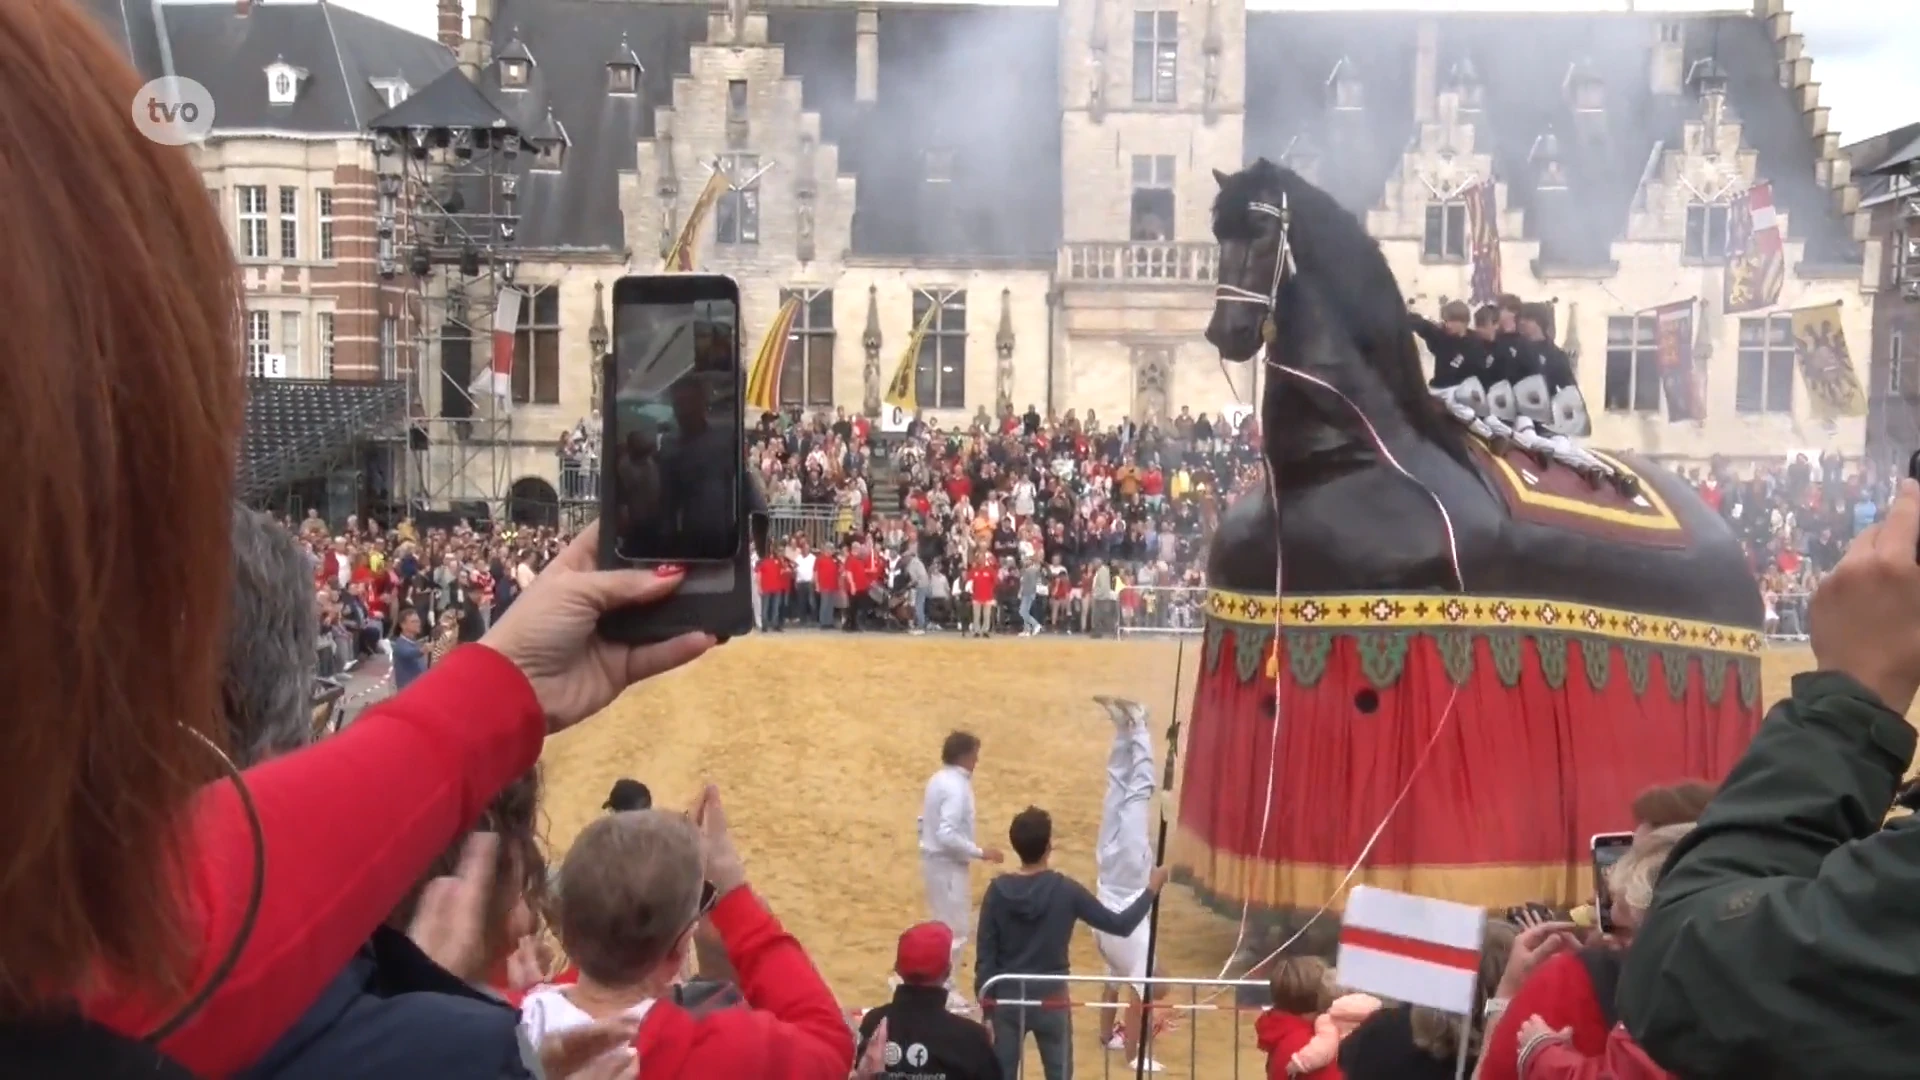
1861 49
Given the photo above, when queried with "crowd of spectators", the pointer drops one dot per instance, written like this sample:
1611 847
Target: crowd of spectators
1024 524
1795 519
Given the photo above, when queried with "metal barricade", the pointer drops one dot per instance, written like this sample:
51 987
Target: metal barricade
1162 609
1789 624
815 521
1193 1004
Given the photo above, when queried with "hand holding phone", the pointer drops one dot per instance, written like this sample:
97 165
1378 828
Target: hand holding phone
674 490
1607 848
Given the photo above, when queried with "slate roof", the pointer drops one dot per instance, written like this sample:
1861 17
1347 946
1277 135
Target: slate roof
450 100
1522 62
342 52
296 428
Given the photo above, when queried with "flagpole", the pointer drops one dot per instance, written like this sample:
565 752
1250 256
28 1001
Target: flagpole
1159 860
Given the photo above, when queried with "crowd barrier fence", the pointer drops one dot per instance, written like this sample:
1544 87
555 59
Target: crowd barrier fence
1188 1000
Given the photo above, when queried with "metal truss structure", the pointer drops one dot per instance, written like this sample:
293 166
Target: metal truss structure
445 225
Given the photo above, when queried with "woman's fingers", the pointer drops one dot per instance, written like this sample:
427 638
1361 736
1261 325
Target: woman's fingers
649 660
570 1054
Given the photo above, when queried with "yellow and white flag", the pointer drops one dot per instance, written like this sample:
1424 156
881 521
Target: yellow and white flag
680 258
903 390
763 378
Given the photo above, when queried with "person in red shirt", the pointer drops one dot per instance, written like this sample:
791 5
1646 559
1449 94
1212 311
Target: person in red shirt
826 579
981 581
768 572
1300 993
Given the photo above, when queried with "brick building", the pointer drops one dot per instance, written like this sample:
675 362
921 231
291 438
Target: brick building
290 165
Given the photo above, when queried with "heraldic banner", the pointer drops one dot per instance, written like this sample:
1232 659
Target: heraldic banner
1820 349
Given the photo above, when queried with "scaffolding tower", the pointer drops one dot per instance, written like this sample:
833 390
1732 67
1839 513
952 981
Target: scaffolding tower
445 173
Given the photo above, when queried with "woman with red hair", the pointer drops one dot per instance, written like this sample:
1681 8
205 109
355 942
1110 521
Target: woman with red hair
153 893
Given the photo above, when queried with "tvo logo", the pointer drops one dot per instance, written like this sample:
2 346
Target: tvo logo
174 111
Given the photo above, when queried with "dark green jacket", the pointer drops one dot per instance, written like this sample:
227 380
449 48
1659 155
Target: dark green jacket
1784 939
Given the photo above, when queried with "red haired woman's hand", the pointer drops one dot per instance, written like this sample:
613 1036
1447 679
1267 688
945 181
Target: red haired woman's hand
549 635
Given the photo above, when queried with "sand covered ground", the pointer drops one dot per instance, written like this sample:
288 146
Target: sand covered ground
821 745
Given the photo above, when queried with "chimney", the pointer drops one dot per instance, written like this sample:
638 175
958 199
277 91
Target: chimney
866 55
1426 71
452 24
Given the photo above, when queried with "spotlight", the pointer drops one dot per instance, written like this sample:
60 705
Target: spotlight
388 268
422 262
383 143
462 142
509 185
389 184
470 261
510 143
509 269
383 226
420 140
507 229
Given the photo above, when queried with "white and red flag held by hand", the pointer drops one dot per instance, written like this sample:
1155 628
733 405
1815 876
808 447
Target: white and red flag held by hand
498 378
1411 948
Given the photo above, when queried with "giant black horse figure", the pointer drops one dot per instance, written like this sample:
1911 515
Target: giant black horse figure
1298 269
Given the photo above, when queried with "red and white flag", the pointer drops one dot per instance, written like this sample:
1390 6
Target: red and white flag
498 379
1411 948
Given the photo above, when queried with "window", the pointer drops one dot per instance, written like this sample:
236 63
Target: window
622 78
290 341
807 377
736 218
323 213
1896 377
289 223
323 325
1897 256
259 343
1707 230
737 101
389 347
393 91
513 74
1446 234
1670 33
1764 381
549 154
1152 198
938 166
1633 365
1156 56
940 371
536 348
253 221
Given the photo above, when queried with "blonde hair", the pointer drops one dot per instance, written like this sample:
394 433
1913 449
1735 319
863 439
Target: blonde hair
1438 1033
1631 880
1301 985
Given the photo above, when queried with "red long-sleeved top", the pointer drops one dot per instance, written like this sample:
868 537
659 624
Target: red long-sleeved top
1560 992
792 1028
350 824
1622 1059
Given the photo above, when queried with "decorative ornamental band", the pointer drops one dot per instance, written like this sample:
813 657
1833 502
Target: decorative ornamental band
1407 611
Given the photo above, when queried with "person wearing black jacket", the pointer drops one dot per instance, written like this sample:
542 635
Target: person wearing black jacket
924 1040
1457 357
1026 924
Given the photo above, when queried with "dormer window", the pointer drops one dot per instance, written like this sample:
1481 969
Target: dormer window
1464 81
516 63
393 91
1670 32
1545 158
549 143
283 82
1586 92
1344 89
623 70
938 164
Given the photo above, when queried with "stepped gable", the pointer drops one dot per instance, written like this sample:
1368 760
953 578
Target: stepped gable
578 206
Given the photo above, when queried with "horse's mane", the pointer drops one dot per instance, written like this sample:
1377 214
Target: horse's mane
1349 272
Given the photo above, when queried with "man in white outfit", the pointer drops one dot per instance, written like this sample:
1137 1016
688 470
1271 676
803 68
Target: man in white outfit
1124 857
947 849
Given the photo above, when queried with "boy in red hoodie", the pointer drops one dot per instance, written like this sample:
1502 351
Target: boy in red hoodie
1300 993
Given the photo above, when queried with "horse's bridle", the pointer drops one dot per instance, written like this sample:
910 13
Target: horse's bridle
1282 268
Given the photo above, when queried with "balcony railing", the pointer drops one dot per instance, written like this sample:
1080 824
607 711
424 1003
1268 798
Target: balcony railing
1172 263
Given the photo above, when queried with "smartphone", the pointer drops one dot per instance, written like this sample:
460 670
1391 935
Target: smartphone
1607 849
673 478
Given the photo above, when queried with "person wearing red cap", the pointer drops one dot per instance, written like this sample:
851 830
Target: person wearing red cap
923 1039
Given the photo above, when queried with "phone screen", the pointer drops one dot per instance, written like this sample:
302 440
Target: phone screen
673 434
1607 849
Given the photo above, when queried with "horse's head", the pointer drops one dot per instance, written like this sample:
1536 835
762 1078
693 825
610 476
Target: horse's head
1299 274
1274 229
